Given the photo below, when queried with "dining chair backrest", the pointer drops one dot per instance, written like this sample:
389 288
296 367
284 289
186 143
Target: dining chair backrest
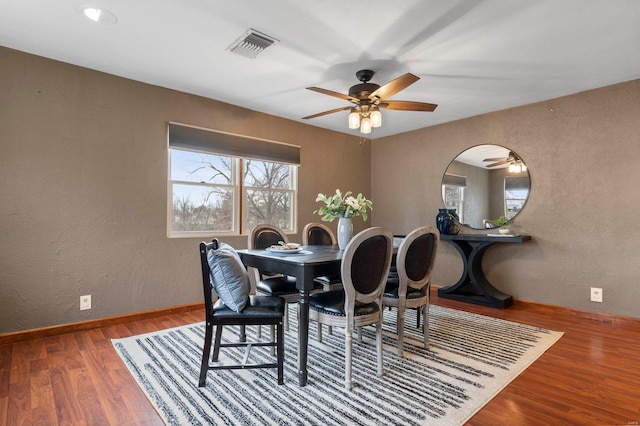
318 234
264 235
261 237
207 285
365 265
416 257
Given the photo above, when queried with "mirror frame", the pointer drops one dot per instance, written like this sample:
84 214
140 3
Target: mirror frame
480 153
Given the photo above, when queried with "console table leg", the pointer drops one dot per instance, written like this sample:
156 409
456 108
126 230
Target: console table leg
473 286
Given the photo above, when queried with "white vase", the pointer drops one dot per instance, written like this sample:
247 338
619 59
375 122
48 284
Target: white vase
503 230
345 232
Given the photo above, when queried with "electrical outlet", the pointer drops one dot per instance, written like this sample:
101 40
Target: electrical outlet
85 302
596 294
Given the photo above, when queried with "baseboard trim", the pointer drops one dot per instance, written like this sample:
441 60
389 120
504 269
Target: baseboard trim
19 336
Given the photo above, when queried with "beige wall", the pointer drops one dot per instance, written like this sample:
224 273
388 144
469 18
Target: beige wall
583 154
83 169
83 192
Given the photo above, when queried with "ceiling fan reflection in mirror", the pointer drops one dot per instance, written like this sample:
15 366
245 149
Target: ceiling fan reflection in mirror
369 98
513 160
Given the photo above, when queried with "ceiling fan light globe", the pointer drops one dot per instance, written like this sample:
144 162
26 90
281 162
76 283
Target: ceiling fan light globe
354 120
376 118
365 125
514 168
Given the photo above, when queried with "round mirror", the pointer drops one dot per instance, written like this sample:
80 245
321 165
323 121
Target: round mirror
484 183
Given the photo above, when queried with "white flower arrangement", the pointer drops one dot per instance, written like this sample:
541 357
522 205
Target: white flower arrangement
345 206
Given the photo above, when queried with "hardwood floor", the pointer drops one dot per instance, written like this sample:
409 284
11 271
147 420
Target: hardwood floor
590 377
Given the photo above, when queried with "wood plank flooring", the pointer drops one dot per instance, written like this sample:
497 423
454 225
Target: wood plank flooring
590 377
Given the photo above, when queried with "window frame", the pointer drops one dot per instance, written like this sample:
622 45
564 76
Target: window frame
239 149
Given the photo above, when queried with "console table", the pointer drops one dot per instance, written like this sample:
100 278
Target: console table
473 286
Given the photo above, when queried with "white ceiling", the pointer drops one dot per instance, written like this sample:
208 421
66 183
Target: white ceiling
472 56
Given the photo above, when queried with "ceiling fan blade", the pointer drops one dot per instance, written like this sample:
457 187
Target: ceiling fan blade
320 114
495 159
394 86
408 106
498 163
335 94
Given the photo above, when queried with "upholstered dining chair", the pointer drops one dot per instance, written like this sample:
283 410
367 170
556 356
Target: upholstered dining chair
319 234
267 283
223 271
410 289
365 266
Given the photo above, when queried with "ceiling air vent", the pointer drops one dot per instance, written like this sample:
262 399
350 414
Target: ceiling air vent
251 44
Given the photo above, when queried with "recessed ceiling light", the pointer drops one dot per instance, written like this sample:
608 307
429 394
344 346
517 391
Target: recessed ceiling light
102 16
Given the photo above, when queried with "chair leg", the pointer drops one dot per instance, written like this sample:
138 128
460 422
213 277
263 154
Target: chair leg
359 335
286 317
425 325
330 330
204 366
243 333
216 345
280 353
259 333
400 324
320 332
379 344
272 335
348 340
418 317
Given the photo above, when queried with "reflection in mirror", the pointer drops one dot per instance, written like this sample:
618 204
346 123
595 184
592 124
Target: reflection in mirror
485 182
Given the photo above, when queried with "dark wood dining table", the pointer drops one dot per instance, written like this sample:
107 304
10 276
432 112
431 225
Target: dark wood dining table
309 262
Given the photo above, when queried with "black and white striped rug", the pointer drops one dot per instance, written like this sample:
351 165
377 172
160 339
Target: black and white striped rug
470 359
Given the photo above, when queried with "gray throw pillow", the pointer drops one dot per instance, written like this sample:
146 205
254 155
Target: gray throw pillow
229 277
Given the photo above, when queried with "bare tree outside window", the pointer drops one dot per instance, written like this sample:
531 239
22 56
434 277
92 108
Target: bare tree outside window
204 188
268 193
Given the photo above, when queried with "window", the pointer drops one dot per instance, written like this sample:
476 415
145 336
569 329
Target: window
214 193
453 193
516 191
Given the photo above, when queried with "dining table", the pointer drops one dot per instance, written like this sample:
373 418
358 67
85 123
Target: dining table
305 264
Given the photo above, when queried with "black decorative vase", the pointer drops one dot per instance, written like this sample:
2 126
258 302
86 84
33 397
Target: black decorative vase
443 221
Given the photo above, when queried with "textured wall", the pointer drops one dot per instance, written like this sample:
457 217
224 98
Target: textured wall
583 154
83 169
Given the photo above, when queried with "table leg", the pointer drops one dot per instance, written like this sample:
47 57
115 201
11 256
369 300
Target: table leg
303 336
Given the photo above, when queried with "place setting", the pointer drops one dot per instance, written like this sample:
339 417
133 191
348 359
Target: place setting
287 249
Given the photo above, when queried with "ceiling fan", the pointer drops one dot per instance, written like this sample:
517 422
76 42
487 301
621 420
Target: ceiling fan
368 98
515 163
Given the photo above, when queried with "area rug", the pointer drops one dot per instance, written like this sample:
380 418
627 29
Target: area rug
469 360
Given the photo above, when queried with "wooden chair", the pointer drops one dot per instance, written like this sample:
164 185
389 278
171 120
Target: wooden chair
259 310
318 234
268 283
364 269
414 263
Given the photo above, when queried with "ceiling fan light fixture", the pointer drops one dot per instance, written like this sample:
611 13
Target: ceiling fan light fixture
515 167
370 97
365 125
354 119
376 117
